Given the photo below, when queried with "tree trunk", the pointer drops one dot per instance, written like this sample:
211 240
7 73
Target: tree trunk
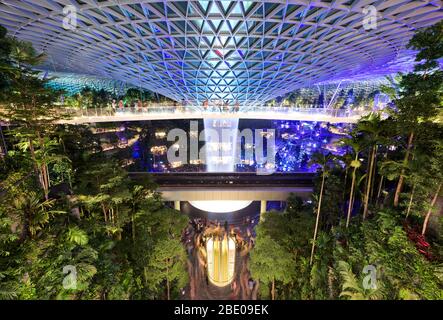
428 215
48 177
104 212
45 178
351 198
43 168
317 218
399 188
380 186
410 201
402 174
374 173
36 168
369 183
5 151
273 289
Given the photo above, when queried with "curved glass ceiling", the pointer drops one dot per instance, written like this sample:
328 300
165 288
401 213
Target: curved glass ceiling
250 51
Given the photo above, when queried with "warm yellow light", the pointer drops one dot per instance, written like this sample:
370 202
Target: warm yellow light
221 206
159 150
221 260
160 134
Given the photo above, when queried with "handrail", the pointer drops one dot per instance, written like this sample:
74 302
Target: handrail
197 110
78 115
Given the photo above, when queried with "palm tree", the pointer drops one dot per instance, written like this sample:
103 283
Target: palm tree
382 178
356 144
371 125
42 157
33 213
346 159
323 161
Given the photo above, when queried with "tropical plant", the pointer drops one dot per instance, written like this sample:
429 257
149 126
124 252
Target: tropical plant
270 263
324 162
168 264
420 92
372 128
351 287
356 144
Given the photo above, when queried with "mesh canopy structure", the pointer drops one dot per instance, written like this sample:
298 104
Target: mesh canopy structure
250 51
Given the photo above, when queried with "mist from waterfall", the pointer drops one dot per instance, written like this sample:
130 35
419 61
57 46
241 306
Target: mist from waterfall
220 144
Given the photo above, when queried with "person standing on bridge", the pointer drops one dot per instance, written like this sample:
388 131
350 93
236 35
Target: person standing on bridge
237 106
183 105
225 106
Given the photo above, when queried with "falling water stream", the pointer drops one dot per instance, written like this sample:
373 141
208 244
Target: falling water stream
220 151
221 138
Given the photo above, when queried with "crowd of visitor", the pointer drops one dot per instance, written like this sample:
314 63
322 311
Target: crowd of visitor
143 106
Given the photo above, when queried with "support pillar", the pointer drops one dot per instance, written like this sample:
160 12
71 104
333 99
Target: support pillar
262 209
177 205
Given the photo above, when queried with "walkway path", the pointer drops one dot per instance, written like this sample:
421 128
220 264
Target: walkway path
168 113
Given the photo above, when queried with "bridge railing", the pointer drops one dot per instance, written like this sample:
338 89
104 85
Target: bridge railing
341 113
200 111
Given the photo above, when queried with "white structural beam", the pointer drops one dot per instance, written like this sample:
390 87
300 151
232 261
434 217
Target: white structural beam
230 194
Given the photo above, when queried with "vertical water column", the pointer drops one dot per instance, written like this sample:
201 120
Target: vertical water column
221 144
220 156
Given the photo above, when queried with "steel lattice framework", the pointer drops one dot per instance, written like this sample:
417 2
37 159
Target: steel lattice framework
250 51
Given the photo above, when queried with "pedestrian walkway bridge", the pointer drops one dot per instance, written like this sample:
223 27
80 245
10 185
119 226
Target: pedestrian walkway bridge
222 186
79 116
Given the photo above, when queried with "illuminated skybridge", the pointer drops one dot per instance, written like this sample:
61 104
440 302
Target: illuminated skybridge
79 116
246 51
